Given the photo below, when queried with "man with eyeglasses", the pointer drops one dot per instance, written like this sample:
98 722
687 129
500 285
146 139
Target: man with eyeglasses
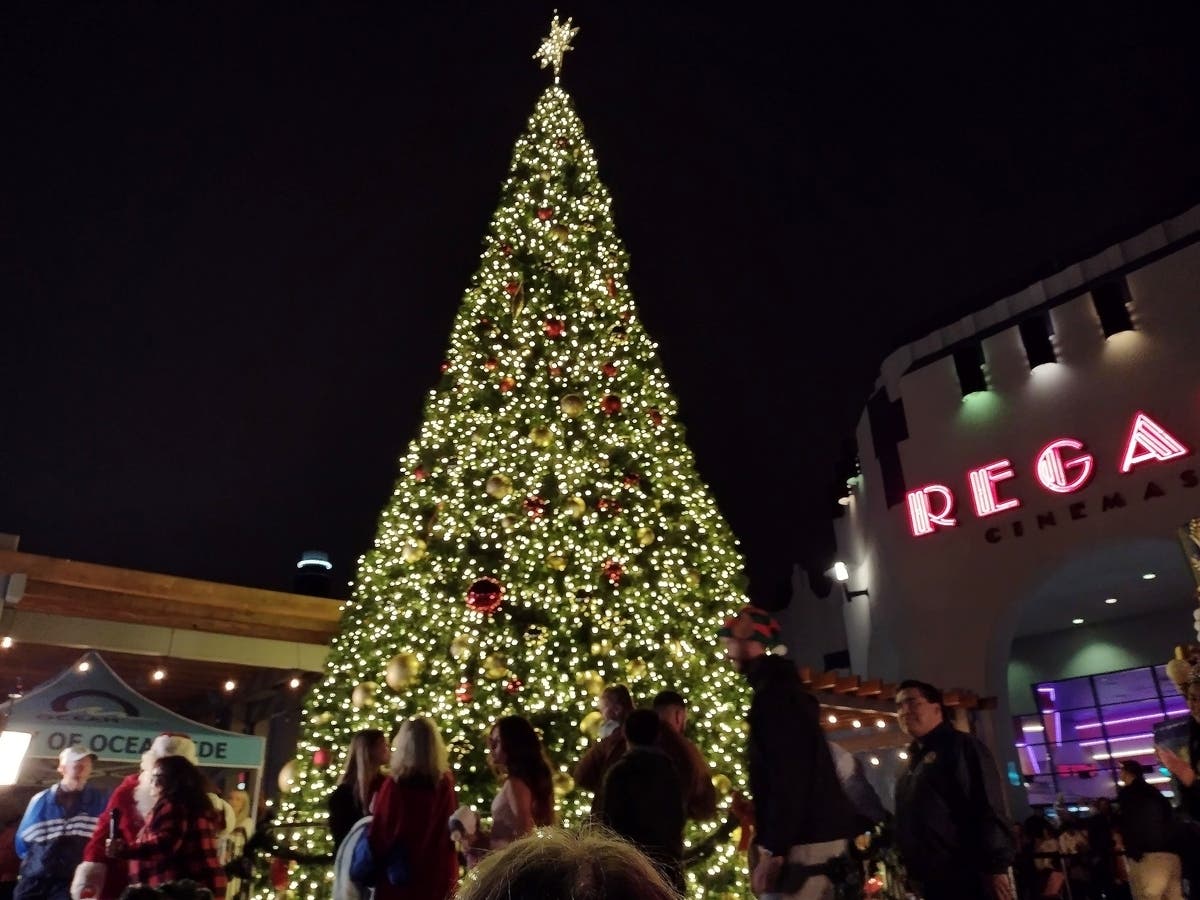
951 829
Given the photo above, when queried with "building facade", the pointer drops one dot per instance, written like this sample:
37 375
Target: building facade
1024 476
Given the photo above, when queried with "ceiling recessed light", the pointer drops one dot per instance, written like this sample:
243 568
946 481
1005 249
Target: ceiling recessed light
856 724
1111 600
903 754
831 719
1149 576
1077 621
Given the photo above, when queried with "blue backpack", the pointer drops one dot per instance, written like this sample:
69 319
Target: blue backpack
366 870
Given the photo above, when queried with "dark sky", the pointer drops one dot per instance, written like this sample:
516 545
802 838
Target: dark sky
233 236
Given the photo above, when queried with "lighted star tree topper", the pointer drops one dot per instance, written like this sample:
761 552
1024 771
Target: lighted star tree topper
549 533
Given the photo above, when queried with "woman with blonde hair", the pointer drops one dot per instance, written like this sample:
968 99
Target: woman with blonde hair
351 799
560 865
408 835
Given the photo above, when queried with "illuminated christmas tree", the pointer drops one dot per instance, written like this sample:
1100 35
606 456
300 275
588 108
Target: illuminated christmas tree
548 534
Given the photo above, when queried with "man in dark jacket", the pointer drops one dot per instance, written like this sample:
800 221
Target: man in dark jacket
643 797
1148 827
951 830
803 818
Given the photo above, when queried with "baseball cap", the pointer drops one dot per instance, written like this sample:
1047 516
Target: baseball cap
74 753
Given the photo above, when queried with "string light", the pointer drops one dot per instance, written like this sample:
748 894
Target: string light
158 674
230 686
550 458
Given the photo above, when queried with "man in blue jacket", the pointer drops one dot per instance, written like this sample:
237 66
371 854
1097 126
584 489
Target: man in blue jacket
55 828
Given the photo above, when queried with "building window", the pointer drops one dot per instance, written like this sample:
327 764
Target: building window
1087 726
1111 300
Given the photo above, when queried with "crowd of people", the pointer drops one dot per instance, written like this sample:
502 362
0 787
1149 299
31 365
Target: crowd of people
402 834
162 826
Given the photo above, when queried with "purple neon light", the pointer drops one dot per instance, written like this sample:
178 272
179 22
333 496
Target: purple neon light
1145 718
1113 740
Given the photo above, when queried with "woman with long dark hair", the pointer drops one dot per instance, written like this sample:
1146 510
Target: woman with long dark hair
179 839
351 799
412 808
526 797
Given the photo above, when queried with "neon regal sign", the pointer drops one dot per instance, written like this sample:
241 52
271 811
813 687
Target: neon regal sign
1063 466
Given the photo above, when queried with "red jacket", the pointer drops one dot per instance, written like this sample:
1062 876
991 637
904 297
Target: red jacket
116 875
416 818
174 845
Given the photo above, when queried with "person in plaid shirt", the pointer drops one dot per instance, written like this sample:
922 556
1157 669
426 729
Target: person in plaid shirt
179 839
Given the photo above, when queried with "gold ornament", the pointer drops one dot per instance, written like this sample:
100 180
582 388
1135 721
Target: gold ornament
592 682
414 550
402 670
560 232
645 536
590 724
563 784
555 45
460 647
636 669
572 405
692 579
541 436
323 718
498 486
509 523
556 562
287 776
601 648
495 666
363 694
575 507
721 782
675 648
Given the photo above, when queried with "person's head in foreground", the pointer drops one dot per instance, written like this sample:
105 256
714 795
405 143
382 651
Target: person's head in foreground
553 864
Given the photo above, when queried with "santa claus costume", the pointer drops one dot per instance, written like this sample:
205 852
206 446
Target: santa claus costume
101 878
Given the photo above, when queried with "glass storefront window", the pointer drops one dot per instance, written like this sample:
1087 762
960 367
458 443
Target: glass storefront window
1087 726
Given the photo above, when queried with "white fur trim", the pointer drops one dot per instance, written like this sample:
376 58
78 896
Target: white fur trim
174 745
89 876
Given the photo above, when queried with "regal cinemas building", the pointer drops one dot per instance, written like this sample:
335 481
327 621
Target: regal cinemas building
1019 524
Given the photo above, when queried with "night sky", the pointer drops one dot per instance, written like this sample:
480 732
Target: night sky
233 236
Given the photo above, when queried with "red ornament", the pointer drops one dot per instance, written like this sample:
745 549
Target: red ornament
507 383
631 479
512 287
485 595
465 692
554 328
322 758
608 505
613 571
555 371
655 417
609 369
535 506
506 249
419 473
546 213
513 685
611 284
491 363
611 405
445 367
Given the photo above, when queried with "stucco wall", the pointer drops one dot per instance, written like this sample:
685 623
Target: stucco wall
945 606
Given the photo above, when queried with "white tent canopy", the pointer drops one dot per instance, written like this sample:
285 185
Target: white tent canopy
89 704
